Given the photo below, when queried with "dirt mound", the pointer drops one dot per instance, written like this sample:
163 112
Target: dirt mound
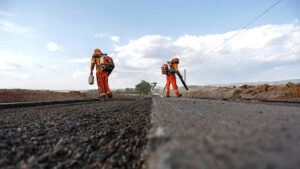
22 95
290 90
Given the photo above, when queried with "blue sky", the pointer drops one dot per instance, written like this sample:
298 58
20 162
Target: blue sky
47 44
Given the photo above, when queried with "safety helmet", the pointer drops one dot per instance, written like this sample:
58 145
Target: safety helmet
97 51
175 60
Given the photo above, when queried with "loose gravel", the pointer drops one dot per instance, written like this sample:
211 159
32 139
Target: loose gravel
109 134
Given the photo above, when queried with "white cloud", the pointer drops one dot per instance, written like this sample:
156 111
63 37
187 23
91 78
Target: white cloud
115 38
269 52
19 75
81 74
9 61
11 27
108 34
245 58
3 13
53 67
21 62
52 46
38 65
12 66
277 72
80 60
99 35
102 35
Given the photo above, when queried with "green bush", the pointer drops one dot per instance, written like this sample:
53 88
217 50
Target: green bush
143 87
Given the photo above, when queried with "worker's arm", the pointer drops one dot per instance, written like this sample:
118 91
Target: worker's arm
93 65
173 71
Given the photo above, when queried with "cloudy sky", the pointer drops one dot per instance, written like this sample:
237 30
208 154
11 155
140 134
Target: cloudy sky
47 44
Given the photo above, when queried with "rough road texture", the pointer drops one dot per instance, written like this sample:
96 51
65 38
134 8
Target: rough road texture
212 134
109 134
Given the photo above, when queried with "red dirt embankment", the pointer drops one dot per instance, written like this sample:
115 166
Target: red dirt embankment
22 95
289 90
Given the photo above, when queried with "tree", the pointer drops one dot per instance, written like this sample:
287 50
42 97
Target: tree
143 87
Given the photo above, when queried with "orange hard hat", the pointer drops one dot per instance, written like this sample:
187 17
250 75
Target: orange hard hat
97 51
175 60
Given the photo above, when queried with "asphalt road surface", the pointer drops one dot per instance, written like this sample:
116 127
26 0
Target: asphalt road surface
98 134
185 134
212 134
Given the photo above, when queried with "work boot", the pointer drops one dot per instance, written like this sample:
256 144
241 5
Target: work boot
179 95
110 96
167 96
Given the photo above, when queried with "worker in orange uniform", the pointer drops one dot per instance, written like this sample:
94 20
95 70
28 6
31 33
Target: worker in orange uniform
171 78
102 76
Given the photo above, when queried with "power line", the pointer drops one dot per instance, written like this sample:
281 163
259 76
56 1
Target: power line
244 27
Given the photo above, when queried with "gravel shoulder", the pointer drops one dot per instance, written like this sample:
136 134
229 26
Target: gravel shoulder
109 134
211 134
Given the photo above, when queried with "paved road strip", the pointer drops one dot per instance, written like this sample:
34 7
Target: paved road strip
211 134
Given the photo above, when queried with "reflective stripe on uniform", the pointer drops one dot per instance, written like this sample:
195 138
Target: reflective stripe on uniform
108 92
102 94
167 89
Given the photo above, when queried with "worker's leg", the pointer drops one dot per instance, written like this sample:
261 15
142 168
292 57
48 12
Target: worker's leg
100 84
168 86
107 90
173 81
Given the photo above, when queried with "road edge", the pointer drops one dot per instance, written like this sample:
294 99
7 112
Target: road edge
32 104
158 158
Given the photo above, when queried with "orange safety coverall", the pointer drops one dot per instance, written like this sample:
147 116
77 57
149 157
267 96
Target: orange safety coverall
171 78
102 78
